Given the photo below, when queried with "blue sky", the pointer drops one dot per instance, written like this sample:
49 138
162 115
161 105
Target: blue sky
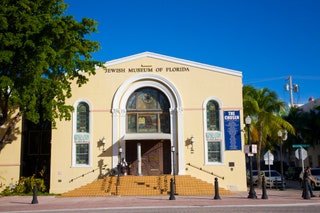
267 40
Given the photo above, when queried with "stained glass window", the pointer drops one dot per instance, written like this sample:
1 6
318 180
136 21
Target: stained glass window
214 152
213 129
148 112
82 135
82 154
83 117
213 115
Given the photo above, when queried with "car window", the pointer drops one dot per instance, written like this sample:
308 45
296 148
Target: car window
273 173
315 171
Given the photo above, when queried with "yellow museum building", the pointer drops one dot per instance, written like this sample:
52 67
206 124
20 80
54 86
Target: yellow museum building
162 114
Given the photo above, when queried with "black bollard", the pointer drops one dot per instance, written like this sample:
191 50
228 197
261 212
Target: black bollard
306 193
34 197
264 189
276 183
216 190
303 189
172 197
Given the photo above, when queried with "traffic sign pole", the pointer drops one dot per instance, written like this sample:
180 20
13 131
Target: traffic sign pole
302 160
268 159
301 153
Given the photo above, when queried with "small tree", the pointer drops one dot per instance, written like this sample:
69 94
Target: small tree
42 49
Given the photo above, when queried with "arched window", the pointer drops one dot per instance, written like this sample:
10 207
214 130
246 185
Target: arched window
148 112
213 120
213 132
83 117
82 135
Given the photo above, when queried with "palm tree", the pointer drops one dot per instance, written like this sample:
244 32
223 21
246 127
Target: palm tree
307 125
265 109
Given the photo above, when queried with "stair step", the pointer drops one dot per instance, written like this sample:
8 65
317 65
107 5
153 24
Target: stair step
145 186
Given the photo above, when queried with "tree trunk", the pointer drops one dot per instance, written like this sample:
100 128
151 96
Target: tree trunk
259 154
11 127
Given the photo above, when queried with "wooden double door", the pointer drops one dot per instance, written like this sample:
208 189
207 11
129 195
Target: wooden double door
155 157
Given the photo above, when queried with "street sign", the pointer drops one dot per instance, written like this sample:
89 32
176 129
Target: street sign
300 145
254 148
301 154
268 162
250 150
268 158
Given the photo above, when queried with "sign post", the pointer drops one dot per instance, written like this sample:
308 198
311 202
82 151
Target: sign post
268 159
301 153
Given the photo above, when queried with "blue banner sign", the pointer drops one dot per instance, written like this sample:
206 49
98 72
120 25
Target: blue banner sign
232 130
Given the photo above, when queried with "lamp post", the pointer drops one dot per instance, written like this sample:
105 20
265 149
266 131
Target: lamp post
252 193
119 170
119 161
281 160
173 149
173 181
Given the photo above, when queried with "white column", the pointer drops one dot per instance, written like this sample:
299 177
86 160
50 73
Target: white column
139 159
180 142
115 134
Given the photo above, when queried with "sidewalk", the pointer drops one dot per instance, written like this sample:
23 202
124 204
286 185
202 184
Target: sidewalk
275 197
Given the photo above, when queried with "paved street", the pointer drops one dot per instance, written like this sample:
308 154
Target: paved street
289 200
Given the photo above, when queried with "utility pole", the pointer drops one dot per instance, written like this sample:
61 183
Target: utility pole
291 88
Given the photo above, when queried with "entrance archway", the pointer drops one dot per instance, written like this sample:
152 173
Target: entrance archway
120 133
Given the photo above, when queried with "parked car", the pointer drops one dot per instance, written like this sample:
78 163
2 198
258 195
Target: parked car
272 178
254 177
315 172
293 173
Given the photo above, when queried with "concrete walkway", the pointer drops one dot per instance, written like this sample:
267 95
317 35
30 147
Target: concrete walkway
275 197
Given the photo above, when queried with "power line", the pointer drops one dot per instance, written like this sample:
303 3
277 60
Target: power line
284 77
267 79
307 77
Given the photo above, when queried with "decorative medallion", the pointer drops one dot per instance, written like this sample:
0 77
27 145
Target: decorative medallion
147 98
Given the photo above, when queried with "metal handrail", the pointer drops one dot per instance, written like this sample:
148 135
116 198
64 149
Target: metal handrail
92 171
211 173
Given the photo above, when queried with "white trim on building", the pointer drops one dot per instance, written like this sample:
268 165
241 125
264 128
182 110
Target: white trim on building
119 114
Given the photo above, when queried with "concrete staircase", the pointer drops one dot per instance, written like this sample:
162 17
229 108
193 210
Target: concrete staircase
144 186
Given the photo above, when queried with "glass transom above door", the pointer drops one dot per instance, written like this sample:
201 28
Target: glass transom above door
148 112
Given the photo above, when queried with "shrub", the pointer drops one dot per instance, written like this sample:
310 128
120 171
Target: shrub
25 186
